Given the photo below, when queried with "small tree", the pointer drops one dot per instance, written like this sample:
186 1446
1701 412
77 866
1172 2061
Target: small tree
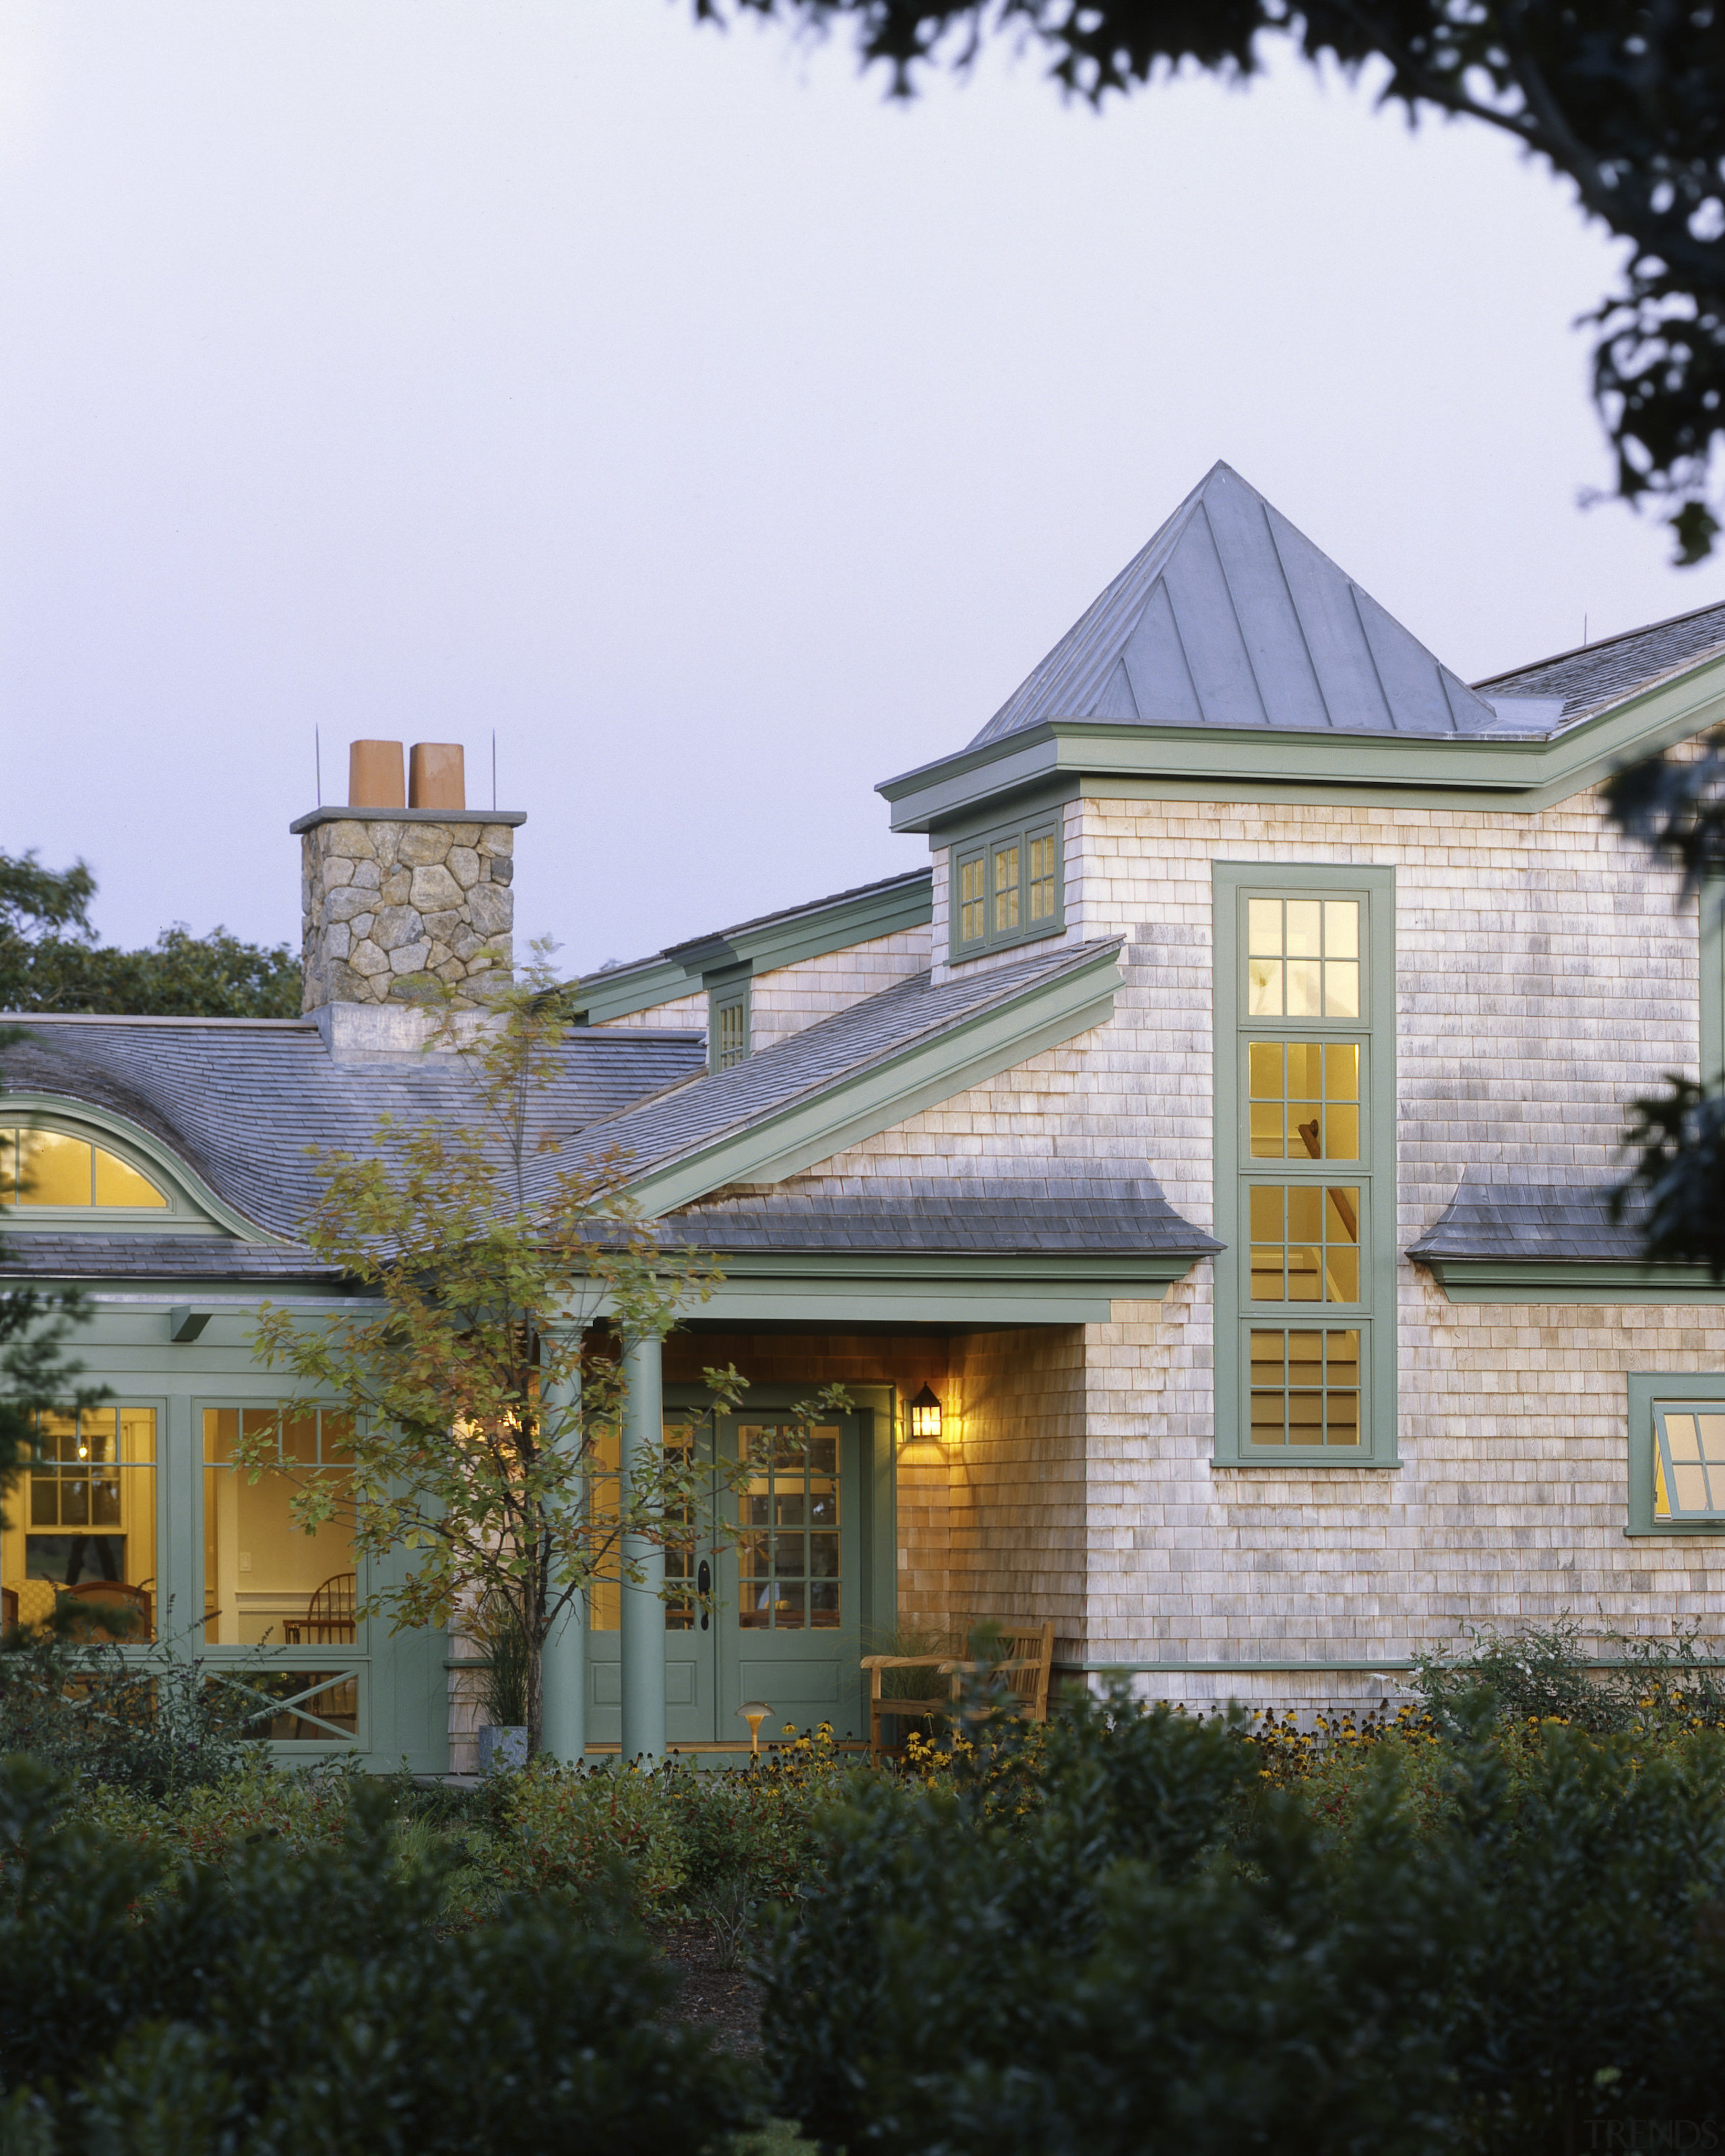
484 1414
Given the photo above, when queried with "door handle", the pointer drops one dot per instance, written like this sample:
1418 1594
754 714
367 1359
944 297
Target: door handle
704 1587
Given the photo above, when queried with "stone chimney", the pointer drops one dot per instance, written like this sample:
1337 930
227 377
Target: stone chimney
391 893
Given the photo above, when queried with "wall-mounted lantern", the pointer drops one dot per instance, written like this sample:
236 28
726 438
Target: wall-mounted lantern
925 1415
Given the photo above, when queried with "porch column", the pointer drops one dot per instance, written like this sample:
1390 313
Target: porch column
643 1614
562 1669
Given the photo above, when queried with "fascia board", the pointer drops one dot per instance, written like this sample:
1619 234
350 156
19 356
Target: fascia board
877 1302
1519 775
921 1076
191 1185
790 941
630 989
1121 1270
1571 1280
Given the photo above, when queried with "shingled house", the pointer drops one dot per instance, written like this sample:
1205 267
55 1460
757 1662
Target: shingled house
1216 1133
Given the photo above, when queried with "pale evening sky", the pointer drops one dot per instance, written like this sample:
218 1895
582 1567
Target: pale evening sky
725 437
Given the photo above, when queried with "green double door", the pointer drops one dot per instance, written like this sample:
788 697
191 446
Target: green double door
781 1564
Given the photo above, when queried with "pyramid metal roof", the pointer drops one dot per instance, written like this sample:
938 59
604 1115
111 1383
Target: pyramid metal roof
1230 617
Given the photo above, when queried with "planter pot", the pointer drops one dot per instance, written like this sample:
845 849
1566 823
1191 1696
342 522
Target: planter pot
502 1745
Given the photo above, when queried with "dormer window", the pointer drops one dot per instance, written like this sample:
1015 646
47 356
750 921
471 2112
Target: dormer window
1007 888
54 1168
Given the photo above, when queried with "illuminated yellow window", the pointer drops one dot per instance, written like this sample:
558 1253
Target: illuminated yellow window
1006 889
1305 1242
1043 880
1305 1386
1304 1099
52 1168
1303 957
788 1536
1689 1464
973 901
265 1579
82 1523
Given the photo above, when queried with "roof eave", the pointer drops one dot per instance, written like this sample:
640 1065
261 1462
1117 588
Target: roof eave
1520 772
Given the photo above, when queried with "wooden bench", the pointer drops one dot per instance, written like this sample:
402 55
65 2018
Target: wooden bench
1026 1668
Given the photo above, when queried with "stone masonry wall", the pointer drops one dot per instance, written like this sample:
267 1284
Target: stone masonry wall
382 901
1544 975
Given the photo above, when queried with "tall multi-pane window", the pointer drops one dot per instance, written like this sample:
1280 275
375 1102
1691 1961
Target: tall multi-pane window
1305 1157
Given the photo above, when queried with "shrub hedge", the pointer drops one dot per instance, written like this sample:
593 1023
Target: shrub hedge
1148 1946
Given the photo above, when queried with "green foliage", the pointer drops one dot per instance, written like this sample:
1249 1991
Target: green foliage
1160 1951
1626 99
312 1999
43 968
180 976
1541 1674
506 1681
155 1721
480 1410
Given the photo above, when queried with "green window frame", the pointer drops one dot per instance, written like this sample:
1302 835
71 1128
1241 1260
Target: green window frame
727 1025
1670 1439
1007 887
1305 1165
1711 953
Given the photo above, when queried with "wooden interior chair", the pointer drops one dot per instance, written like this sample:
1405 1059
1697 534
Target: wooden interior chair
1028 1666
329 1619
118 1595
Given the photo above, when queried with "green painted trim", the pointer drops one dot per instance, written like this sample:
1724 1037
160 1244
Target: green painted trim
1238 1669
811 931
1233 880
1710 956
911 1270
203 1210
787 939
1523 775
728 991
1571 1280
626 989
1047 823
923 1287
1644 1387
1029 804
916 1076
1389 1665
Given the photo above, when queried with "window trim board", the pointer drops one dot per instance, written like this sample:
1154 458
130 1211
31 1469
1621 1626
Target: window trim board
1644 1388
982 846
1379 1323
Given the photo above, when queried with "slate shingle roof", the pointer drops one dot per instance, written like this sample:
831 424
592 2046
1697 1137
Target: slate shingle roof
803 1065
240 1103
49 1255
1529 1221
1603 674
785 913
1016 1216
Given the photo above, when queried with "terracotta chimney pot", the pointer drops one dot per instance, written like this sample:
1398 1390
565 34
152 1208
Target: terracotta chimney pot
436 777
374 775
